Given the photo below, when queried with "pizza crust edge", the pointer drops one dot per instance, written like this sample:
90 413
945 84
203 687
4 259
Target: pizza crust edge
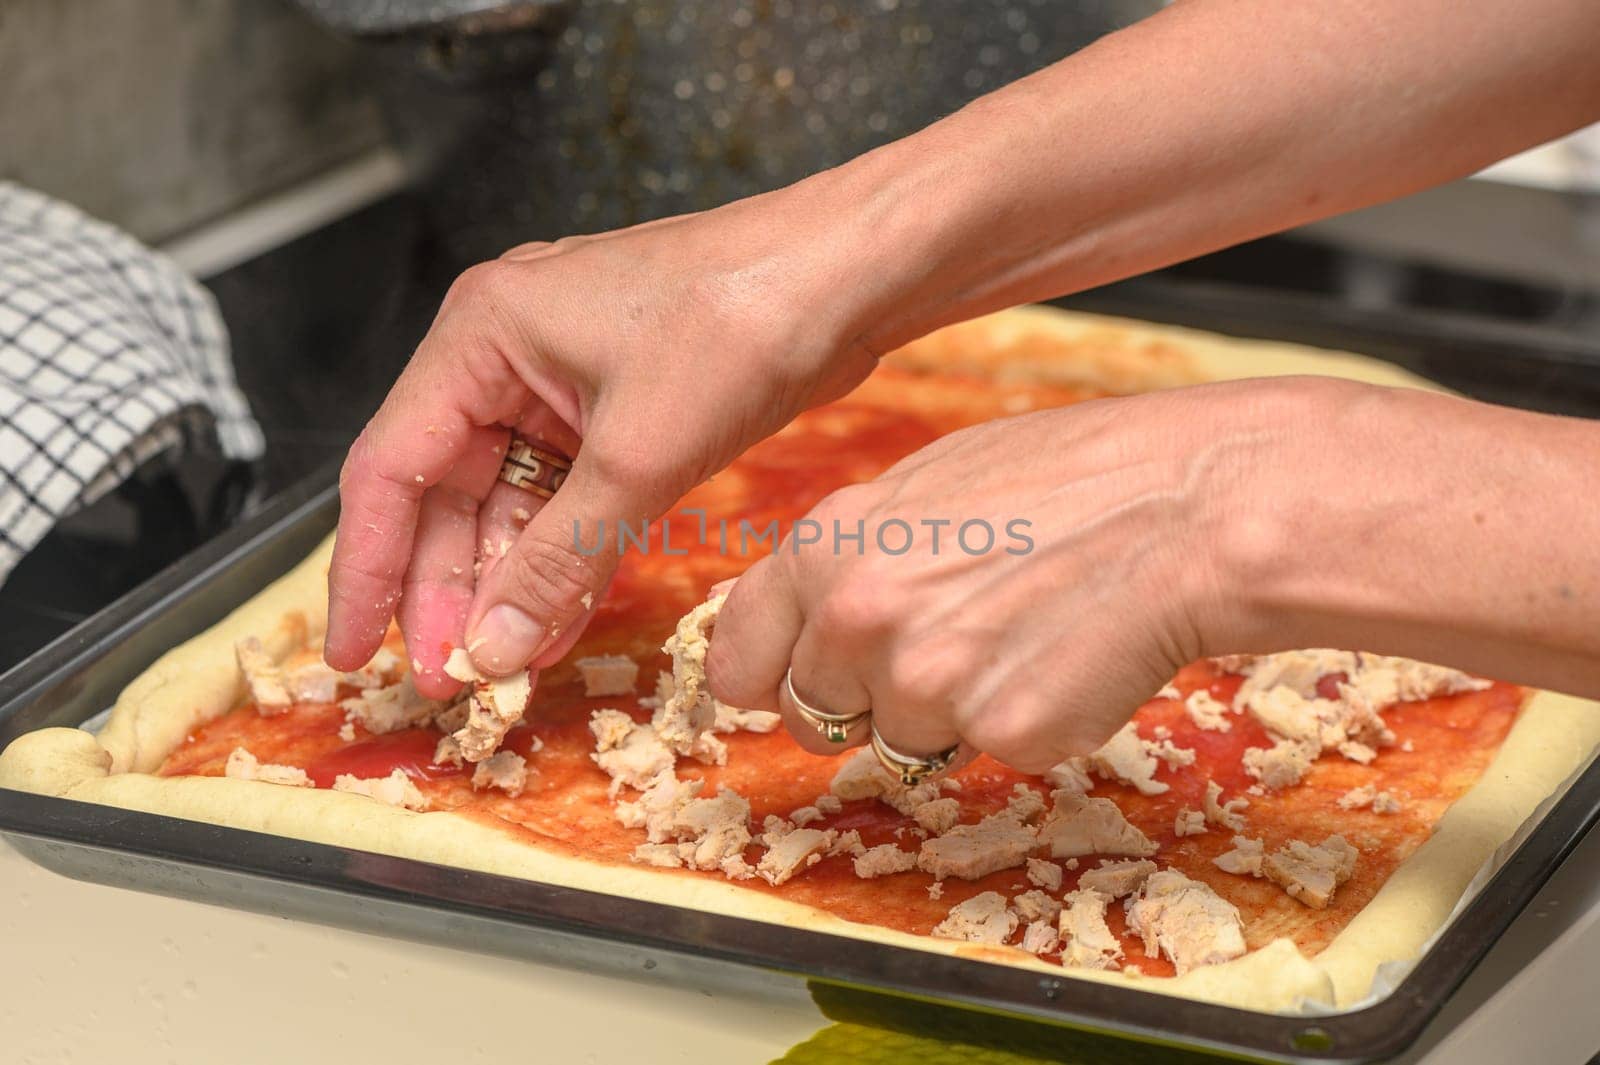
200 680
1124 356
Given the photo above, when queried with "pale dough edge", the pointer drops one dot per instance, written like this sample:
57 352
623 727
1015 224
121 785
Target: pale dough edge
200 679
1553 737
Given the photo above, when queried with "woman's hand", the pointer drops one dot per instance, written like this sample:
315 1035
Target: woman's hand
1254 516
653 356
1081 562
1072 576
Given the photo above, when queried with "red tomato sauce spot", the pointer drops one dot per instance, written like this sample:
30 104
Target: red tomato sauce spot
409 750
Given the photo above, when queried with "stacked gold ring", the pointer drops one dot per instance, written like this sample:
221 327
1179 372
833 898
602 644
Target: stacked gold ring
534 469
835 728
911 769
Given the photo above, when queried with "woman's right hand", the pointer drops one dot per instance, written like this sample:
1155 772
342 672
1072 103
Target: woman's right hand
652 355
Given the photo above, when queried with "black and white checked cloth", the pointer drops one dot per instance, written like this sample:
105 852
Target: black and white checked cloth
109 355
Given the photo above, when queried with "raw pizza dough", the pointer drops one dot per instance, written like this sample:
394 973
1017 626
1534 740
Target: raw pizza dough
200 680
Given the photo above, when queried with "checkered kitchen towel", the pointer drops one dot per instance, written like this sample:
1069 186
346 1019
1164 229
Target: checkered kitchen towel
109 355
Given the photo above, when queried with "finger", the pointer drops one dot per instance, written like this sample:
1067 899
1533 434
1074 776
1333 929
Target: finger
438 584
425 426
754 637
824 677
377 526
1034 708
501 521
438 588
508 509
966 754
912 768
916 693
915 732
811 735
1023 727
558 566
564 640
859 647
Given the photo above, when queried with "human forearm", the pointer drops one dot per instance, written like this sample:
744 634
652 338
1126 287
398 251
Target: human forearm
1206 125
1425 526
1211 123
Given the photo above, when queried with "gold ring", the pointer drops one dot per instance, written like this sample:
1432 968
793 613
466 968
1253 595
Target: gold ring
835 728
534 469
911 769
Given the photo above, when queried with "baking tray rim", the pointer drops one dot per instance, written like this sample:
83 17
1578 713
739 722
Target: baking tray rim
1375 1032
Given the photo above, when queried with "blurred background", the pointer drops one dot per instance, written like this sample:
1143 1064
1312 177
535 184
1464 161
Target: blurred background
326 167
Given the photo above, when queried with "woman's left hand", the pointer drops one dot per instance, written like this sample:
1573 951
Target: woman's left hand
1078 565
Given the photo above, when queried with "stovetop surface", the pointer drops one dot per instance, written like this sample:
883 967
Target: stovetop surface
321 327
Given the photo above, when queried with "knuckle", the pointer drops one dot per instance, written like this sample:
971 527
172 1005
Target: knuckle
528 248
358 574
845 505
546 579
574 241
476 280
638 470
494 285
357 461
857 606
1014 728
933 671
462 289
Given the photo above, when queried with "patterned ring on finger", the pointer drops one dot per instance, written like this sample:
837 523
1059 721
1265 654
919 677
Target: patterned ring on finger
534 469
912 769
835 728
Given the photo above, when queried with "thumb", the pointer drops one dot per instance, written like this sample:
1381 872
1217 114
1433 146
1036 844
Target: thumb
558 567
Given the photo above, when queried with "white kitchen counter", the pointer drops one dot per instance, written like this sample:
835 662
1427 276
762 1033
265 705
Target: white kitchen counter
97 975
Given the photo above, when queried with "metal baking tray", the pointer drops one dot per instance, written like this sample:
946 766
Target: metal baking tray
76 677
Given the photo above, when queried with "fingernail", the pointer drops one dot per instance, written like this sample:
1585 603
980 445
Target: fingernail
505 639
